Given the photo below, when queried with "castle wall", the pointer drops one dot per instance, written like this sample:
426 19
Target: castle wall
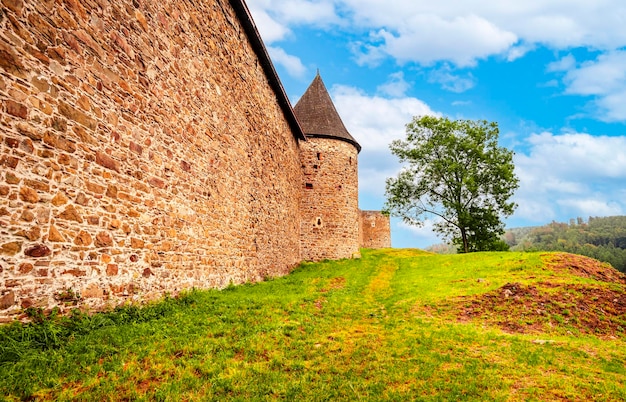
142 151
330 215
375 230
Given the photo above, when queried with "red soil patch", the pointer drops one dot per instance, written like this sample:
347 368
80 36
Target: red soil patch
583 266
519 308
546 306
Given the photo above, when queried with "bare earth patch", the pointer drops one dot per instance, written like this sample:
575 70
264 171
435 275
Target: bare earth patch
583 266
547 306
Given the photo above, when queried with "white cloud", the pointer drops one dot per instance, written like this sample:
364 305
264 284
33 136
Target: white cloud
519 51
605 80
292 64
271 30
456 31
450 81
428 38
594 206
461 103
599 77
395 87
566 63
555 23
568 175
375 121
275 17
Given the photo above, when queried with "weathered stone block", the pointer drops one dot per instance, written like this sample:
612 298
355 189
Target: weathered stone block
59 199
77 115
54 235
11 142
103 239
95 188
112 269
14 5
28 194
16 109
7 300
75 272
83 238
136 243
59 142
27 215
9 161
92 291
11 178
38 251
71 214
106 161
11 248
25 268
31 234
37 185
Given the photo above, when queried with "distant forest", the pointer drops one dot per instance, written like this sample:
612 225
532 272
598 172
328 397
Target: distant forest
601 238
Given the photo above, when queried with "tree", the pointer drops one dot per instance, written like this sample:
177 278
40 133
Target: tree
457 172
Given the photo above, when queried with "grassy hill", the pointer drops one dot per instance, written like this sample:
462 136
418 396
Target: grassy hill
394 325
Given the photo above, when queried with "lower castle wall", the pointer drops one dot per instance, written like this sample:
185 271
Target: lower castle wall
375 229
142 151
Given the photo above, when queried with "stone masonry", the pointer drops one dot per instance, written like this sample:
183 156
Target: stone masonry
143 151
330 213
148 147
375 230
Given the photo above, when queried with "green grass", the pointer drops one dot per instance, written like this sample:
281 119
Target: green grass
380 328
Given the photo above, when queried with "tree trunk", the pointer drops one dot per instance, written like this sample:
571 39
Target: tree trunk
465 243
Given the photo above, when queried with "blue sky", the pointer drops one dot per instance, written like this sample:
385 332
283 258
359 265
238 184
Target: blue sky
552 73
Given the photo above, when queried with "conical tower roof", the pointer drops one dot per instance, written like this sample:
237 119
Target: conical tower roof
318 117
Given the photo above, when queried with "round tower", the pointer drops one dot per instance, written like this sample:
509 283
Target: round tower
329 227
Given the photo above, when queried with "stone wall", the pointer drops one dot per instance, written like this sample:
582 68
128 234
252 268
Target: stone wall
330 214
142 151
375 230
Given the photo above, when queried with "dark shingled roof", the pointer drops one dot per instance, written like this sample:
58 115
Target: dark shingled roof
318 117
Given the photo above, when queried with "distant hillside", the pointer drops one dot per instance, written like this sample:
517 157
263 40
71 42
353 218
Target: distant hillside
601 238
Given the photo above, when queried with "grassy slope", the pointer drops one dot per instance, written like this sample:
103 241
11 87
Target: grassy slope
383 327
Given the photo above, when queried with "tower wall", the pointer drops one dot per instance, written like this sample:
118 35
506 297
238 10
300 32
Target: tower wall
142 150
329 205
375 230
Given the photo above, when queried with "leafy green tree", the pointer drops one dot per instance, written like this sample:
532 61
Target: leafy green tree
457 172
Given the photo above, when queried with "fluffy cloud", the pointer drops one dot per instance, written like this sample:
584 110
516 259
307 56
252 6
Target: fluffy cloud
271 30
450 81
456 31
275 17
555 23
604 79
292 64
569 175
566 63
395 87
375 121
462 40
